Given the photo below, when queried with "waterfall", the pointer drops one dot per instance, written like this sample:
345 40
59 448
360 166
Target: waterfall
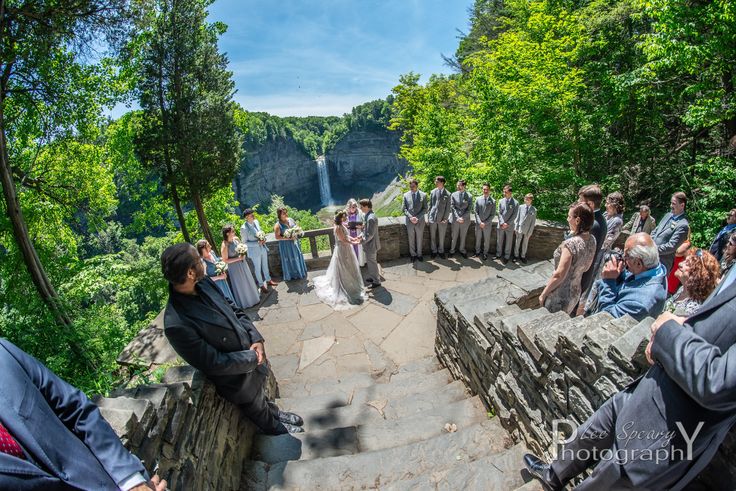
325 193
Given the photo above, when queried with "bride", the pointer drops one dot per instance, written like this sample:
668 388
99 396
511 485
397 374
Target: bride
342 286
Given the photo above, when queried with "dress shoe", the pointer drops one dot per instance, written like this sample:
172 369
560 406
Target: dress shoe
498 258
475 254
523 260
420 258
264 289
273 283
293 428
505 260
451 255
464 255
541 470
373 286
290 418
412 259
434 255
444 256
485 257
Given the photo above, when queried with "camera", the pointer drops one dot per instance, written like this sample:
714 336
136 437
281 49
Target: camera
615 253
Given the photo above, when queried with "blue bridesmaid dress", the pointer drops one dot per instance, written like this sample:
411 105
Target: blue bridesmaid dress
292 260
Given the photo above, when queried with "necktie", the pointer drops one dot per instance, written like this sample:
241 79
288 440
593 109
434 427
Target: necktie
9 445
527 209
414 199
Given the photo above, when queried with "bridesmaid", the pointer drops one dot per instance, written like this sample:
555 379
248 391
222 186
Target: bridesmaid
355 224
210 260
241 279
292 260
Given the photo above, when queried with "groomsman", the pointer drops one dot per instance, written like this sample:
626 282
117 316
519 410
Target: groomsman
524 227
508 208
485 210
460 204
414 208
439 213
672 230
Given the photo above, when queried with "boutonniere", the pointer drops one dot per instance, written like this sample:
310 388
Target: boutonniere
673 225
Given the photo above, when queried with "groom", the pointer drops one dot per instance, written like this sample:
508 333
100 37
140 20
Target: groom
371 243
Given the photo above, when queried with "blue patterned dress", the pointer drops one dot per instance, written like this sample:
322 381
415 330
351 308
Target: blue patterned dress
292 260
211 270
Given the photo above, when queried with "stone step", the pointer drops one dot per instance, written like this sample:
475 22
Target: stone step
497 472
302 386
382 408
380 468
400 385
371 436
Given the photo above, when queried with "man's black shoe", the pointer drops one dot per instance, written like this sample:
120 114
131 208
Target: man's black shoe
293 428
374 285
451 254
434 255
505 260
420 258
485 257
523 260
464 255
444 256
412 259
290 418
540 470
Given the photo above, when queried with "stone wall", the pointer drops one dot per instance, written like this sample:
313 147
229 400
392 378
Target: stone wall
395 244
531 367
181 426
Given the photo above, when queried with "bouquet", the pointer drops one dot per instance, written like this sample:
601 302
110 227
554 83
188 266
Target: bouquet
220 267
241 249
261 235
294 232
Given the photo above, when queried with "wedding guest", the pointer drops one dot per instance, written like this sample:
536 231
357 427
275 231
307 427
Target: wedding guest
699 274
572 258
355 226
729 255
210 266
636 285
592 196
485 210
439 214
673 282
52 437
414 207
290 250
672 230
524 227
614 219
719 243
242 283
508 209
641 221
460 203
257 249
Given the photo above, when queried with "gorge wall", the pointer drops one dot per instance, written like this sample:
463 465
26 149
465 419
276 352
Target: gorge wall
362 163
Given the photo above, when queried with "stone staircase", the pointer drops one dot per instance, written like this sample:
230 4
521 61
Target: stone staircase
412 428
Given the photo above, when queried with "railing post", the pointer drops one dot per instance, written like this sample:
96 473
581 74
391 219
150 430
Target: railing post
313 246
331 235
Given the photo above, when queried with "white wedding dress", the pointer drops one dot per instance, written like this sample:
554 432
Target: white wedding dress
342 286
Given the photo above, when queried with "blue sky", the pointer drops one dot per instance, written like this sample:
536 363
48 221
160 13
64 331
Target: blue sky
322 57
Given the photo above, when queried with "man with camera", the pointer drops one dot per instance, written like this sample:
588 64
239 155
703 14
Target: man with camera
633 283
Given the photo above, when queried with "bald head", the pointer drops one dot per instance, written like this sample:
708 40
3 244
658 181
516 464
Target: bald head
642 253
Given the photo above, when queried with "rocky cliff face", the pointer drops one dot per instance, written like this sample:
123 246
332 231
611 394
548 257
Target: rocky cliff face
279 166
361 164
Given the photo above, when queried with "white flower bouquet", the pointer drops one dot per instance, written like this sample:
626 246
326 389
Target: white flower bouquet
294 232
261 235
220 267
241 249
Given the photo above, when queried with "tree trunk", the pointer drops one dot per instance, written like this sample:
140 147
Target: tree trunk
180 213
204 225
20 233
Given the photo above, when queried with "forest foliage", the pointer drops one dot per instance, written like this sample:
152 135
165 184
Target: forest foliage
550 95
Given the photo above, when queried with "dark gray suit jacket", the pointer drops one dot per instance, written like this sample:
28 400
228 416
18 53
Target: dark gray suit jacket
668 236
216 340
693 381
68 444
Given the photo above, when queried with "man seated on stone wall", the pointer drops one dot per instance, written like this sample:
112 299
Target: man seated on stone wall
636 284
215 336
662 429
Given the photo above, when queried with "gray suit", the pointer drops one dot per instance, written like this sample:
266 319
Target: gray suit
693 382
669 235
524 224
507 211
257 252
632 226
439 211
371 246
485 210
415 205
460 204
